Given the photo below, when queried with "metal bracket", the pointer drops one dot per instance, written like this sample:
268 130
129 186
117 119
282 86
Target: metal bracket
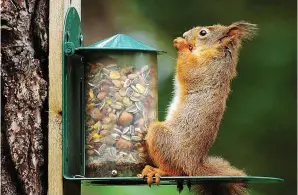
72 85
72 35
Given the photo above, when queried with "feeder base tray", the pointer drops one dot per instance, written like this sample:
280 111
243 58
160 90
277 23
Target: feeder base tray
178 179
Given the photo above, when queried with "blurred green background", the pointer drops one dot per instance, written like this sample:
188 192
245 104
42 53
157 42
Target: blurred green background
258 132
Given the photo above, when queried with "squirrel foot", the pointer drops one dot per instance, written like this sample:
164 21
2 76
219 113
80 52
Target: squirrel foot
150 172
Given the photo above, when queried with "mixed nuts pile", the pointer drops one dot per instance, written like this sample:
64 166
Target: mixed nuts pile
120 104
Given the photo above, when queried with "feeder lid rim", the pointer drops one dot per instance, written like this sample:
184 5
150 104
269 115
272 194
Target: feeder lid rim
87 49
119 42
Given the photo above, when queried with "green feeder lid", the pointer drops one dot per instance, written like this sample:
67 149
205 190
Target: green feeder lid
119 42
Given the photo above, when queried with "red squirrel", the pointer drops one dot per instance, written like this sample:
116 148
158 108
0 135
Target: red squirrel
206 64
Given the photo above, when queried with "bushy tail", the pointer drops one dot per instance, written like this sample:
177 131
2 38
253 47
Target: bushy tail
215 166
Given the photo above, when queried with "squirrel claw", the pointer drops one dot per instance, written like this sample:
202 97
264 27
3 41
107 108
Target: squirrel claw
150 172
188 184
179 190
179 186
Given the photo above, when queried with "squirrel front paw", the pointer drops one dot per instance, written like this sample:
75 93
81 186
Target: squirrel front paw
180 43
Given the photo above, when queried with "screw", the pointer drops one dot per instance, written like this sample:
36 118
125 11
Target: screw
114 173
68 51
69 48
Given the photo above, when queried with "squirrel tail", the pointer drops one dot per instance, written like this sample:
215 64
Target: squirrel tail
216 166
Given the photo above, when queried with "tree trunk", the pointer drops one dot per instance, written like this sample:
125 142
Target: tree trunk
24 75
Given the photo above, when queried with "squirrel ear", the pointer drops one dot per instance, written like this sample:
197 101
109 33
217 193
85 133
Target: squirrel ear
242 30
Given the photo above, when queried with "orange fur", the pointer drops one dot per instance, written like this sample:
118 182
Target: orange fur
159 159
204 70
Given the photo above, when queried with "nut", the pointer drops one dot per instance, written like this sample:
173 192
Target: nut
96 114
104 133
125 119
123 144
114 75
113 117
132 76
117 83
101 95
120 105
106 120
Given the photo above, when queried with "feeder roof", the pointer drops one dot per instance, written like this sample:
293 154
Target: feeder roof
119 42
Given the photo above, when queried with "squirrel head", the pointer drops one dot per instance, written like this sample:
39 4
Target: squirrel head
217 50
202 38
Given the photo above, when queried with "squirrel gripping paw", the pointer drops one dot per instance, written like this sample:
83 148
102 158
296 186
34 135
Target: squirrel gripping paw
206 64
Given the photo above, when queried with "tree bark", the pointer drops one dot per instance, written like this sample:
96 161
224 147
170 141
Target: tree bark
24 53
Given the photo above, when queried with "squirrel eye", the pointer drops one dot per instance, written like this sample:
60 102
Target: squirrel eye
203 32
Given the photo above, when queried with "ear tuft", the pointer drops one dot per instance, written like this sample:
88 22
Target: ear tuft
242 30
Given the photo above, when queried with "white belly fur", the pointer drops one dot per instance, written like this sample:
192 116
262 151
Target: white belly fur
175 101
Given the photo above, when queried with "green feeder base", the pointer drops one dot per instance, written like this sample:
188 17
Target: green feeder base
180 179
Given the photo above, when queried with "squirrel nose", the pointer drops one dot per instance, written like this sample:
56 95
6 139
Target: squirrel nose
185 34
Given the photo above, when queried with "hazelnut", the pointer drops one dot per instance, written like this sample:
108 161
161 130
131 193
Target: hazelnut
125 119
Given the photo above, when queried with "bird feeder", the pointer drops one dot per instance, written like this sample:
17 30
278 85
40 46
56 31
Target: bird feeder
109 100
120 94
